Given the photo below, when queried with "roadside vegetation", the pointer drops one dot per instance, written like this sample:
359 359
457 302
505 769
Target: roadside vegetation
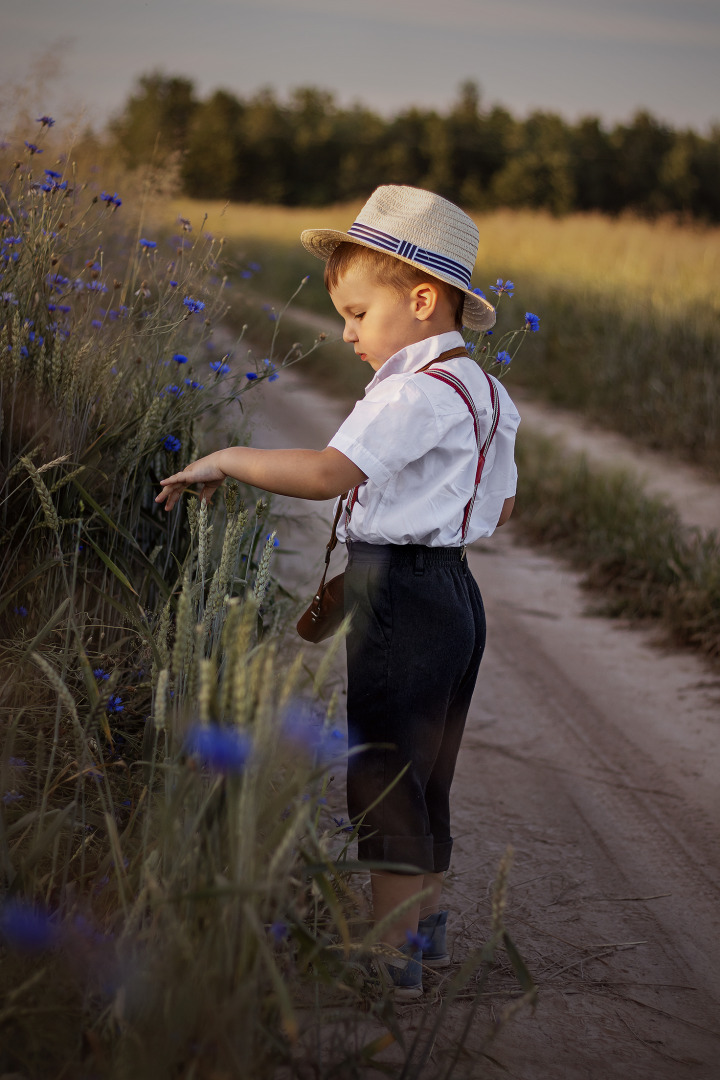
177 895
636 555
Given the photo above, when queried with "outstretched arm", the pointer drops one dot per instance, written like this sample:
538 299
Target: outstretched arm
306 474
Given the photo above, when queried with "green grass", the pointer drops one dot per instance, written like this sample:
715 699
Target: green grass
634 550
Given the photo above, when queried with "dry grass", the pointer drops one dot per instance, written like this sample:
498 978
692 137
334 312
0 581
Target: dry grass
663 261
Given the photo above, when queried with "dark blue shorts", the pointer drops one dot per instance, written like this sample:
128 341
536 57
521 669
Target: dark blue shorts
414 648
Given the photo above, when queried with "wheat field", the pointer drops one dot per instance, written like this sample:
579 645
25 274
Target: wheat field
669 263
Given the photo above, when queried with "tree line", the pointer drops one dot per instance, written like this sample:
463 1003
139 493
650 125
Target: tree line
308 150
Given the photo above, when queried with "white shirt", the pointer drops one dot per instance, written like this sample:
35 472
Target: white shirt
413 437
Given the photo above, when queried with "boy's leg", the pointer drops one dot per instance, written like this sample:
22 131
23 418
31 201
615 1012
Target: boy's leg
437 789
388 892
431 904
413 639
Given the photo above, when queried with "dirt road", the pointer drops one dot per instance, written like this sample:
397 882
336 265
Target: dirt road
596 756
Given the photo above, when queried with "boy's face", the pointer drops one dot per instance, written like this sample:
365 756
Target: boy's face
378 320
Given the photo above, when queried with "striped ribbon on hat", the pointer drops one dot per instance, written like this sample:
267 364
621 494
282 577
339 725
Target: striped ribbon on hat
432 259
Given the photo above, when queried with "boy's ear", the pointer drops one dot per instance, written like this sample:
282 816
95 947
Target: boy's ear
424 299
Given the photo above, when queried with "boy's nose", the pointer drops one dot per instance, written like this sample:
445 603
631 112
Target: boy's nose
349 333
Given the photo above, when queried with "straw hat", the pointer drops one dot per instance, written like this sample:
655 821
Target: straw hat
423 230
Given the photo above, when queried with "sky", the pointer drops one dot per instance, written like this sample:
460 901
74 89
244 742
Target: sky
605 58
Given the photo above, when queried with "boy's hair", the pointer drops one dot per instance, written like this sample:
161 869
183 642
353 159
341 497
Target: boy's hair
396 274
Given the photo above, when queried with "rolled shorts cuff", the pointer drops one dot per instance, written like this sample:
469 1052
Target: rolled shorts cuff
420 852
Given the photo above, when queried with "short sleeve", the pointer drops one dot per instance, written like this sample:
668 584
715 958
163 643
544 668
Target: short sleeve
386 431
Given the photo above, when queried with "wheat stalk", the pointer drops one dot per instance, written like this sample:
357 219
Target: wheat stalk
50 513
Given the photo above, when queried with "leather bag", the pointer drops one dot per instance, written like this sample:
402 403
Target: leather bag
326 610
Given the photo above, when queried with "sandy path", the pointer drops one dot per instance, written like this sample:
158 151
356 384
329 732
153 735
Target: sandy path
596 756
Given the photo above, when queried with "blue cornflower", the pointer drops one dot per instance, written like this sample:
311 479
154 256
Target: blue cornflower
53 186
96 323
223 749
46 121
8 298
187 227
501 287
193 384
173 284
111 200
26 929
479 292
57 281
470 347
100 674
11 797
172 443
532 322
417 940
96 286
302 726
53 175
217 365
38 338
250 375
180 358
193 305
279 931
256 267
17 763
147 243
174 390
246 274
33 148
272 369
276 542
340 822
21 610
503 357
115 704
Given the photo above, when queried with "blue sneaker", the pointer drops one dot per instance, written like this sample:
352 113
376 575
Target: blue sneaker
434 929
404 973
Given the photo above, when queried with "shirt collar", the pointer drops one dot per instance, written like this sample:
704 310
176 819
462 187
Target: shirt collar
414 356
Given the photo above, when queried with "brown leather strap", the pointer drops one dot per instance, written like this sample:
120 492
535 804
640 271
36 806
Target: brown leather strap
332 543
451 354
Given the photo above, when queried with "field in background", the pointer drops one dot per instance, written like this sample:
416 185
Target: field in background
629 308
662 262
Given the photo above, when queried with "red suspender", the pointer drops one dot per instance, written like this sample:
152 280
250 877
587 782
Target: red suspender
459 387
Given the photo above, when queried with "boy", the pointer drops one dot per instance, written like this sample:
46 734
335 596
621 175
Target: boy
411 457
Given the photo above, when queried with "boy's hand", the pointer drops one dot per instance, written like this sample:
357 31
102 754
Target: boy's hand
204 471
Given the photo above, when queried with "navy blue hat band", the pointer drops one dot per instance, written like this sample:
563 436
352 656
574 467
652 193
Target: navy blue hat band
431 259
